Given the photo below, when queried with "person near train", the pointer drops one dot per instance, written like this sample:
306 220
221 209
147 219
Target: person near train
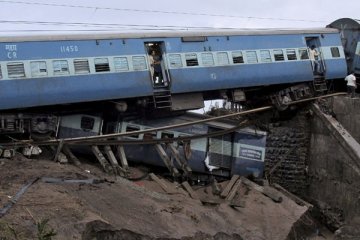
351 84
155 63
314 58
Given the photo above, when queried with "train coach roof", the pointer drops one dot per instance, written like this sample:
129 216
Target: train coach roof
345 23
162 34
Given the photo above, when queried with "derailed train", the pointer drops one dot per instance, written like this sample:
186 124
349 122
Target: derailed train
240 151
44 77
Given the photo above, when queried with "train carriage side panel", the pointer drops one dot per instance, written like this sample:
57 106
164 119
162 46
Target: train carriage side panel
200 76
20 87
249 153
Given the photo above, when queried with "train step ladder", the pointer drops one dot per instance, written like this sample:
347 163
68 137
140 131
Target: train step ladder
319 84
162 97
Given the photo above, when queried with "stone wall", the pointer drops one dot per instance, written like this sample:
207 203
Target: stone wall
347 112
334 171
287 153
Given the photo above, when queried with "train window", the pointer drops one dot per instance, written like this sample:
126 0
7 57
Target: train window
265 56
251 57
16 70
303 53
335 53
291 54
191 59
87 123
81 66
101 65
139 63
133 128
237 57
167 135
279 55
0 73
38 69
222 58
207 59
60 67
121 64
175 60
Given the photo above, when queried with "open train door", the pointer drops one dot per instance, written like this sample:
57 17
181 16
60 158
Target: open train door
159 74
314 43
157 65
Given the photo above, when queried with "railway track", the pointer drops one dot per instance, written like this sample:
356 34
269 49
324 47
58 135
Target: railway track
110 142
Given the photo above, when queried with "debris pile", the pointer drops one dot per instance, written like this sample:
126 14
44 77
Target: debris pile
77 198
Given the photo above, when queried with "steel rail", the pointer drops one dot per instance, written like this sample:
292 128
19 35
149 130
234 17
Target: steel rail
161 140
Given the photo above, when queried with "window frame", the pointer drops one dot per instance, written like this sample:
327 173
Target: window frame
196 61
211 63
61 72
247 52
268 58
287 54
337 55
221 63
139 67
101 64
301 55
121 67
77 60
241 57
35 65
277 55
171 57
17 75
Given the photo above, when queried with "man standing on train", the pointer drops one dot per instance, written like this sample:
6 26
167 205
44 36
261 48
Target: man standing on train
351 84
314 58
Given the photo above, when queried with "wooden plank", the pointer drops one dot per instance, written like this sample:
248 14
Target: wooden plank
100 157
228 187
122 156
109 153
166 160
113 161
267 191
236 202
182 162
189 189
58 150
162 184
67 151
233 191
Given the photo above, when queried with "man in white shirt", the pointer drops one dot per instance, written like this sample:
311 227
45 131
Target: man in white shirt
351 84
314 56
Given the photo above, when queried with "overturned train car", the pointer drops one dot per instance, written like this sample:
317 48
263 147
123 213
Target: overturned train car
239 152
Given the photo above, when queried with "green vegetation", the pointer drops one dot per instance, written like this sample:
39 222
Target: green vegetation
44 232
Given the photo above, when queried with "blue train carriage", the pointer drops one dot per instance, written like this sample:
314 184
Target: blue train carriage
187 67
241 152
350 37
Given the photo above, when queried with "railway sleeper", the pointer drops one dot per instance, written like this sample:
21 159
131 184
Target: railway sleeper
167 161
101 158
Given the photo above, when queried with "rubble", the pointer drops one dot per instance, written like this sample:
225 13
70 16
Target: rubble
141 208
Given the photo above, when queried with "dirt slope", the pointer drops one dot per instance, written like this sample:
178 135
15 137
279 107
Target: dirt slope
142 207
